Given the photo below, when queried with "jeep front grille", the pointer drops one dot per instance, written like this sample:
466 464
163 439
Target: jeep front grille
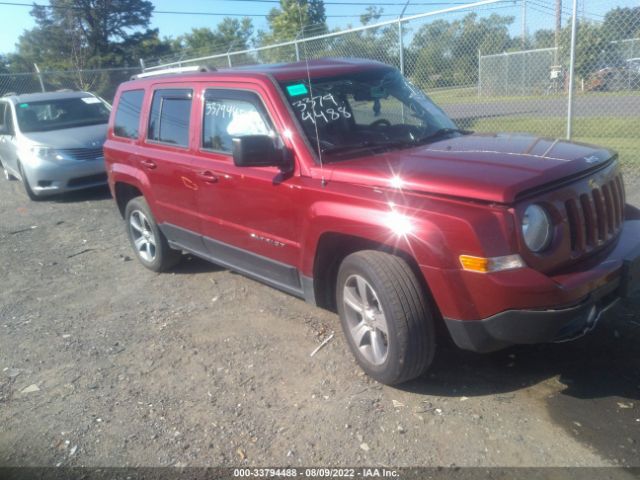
596 217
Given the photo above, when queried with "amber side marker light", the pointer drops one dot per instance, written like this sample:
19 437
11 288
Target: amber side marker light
493 264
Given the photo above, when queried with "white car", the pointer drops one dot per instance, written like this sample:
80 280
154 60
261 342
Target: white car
53 141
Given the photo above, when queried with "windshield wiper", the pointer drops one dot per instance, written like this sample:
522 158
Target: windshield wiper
441 132
367 144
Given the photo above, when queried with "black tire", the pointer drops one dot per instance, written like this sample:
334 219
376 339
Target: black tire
408 312
164 257
27 188
7 175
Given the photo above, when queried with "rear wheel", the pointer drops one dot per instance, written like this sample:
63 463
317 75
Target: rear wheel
386 317
148 242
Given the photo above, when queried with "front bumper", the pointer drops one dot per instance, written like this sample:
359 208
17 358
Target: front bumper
564 321
47 178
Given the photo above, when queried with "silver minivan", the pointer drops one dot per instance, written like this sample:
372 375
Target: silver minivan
53 141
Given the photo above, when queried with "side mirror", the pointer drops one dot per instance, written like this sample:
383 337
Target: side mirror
260 151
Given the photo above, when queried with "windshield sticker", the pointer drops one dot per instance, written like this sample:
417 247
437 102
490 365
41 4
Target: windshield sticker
24 105
90 100
321 107
297 89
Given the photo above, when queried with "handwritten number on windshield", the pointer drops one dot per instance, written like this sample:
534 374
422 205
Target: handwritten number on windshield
320 107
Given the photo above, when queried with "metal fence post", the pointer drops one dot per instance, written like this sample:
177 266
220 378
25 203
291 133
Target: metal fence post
400 35
479 73
506 73
400 45
39 77
572 61
295 44
229 54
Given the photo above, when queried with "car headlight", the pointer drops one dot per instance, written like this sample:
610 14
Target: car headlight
48 153
536 228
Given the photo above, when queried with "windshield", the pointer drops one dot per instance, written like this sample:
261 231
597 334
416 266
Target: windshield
371 109
57 114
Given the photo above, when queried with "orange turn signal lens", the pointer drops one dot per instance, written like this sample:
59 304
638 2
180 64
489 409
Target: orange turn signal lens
494 264
474 264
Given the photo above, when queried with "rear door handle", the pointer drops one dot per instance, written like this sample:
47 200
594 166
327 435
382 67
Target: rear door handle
207 176
150 164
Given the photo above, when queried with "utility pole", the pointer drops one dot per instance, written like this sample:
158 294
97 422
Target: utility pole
558 28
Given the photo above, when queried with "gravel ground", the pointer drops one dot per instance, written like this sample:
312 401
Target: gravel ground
104 363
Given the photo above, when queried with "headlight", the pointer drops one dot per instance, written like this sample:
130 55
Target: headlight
48 153
536 228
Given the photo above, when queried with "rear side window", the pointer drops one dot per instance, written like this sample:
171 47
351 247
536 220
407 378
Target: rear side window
169 118
128 114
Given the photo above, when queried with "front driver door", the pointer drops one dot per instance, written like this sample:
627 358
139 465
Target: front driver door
249 214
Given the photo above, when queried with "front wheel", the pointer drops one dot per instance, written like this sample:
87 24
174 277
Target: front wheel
27 187
148 242
386 317
7 175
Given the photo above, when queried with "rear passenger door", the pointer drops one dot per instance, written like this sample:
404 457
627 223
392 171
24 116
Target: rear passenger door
250 209
166 161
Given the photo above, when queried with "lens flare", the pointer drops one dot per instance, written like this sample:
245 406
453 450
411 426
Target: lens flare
396 182
399 224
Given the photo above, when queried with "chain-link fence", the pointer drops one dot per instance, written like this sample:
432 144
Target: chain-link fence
494 65
103 82
524 73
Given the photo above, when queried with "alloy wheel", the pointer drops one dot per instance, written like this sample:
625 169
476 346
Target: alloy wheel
367 324
142 234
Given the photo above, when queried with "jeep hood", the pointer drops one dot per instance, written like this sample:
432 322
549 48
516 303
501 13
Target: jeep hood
493 168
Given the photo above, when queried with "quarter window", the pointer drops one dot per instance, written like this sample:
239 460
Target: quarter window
128 114
226 116
169 119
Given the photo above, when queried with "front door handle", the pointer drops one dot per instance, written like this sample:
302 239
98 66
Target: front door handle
150 164
207 176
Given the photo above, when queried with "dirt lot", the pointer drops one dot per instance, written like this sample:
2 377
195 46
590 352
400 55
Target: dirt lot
104 363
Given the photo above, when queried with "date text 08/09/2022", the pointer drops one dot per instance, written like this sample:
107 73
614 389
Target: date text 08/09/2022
361 472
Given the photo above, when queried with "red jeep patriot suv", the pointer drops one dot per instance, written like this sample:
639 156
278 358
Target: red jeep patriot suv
340 182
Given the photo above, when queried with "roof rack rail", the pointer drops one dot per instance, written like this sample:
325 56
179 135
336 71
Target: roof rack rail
169 71
8 94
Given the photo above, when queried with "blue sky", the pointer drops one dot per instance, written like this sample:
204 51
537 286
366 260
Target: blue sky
15 19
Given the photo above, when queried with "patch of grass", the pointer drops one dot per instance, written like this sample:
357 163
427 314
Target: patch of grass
619 134
469 95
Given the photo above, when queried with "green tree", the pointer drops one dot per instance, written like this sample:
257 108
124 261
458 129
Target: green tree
544 38
79 35
294 19
89 34
376 43
622 24
4 64
230 34
444 53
